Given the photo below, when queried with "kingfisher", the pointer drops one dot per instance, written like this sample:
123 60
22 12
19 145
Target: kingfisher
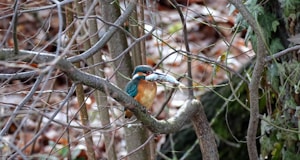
142 90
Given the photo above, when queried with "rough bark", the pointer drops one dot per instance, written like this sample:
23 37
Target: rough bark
135 135
205 134
110 11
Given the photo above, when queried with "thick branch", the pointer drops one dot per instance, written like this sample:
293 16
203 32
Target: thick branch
205 135
157 126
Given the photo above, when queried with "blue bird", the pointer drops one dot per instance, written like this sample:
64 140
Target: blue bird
142 90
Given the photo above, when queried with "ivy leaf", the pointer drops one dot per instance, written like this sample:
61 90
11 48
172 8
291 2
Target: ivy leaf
276 151
274 25
272 76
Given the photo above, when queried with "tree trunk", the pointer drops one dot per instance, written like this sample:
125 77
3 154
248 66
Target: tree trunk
101 97
135 135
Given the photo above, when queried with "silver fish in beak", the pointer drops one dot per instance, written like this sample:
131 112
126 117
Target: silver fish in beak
161 77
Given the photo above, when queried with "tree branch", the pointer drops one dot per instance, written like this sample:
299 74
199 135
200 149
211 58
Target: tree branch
110 32
186 43
18 75
205 135
18 107
156 126
255 80
281 53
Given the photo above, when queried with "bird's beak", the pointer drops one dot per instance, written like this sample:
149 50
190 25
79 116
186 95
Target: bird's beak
157 73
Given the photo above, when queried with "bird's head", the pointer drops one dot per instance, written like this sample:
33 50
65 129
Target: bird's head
146 72
142 70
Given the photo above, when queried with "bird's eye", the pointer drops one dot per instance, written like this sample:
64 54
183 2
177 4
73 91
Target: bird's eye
148 72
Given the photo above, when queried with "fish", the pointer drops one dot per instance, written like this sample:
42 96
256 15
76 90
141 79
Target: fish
161 77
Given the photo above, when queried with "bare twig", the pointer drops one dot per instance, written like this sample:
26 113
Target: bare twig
14 147
186 43
60 26
281 53
20 75
18 107
70 93
107 35
15 25
140 147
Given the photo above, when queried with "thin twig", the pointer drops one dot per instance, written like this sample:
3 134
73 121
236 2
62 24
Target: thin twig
19 75
140 147
186 43
15 25
120 21
18 107
67 98
12 26
60 26
13 146
281 53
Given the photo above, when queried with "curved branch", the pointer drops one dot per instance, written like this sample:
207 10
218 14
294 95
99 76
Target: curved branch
107 35
205 135
255 79
171 125
112 29
156 126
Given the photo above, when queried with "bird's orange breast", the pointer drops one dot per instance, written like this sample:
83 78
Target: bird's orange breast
146 93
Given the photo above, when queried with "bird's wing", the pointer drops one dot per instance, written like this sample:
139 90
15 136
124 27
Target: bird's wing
132 87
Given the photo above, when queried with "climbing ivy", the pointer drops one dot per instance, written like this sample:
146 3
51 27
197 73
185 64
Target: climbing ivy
280 133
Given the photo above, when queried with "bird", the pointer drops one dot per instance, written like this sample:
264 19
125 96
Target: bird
142 90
